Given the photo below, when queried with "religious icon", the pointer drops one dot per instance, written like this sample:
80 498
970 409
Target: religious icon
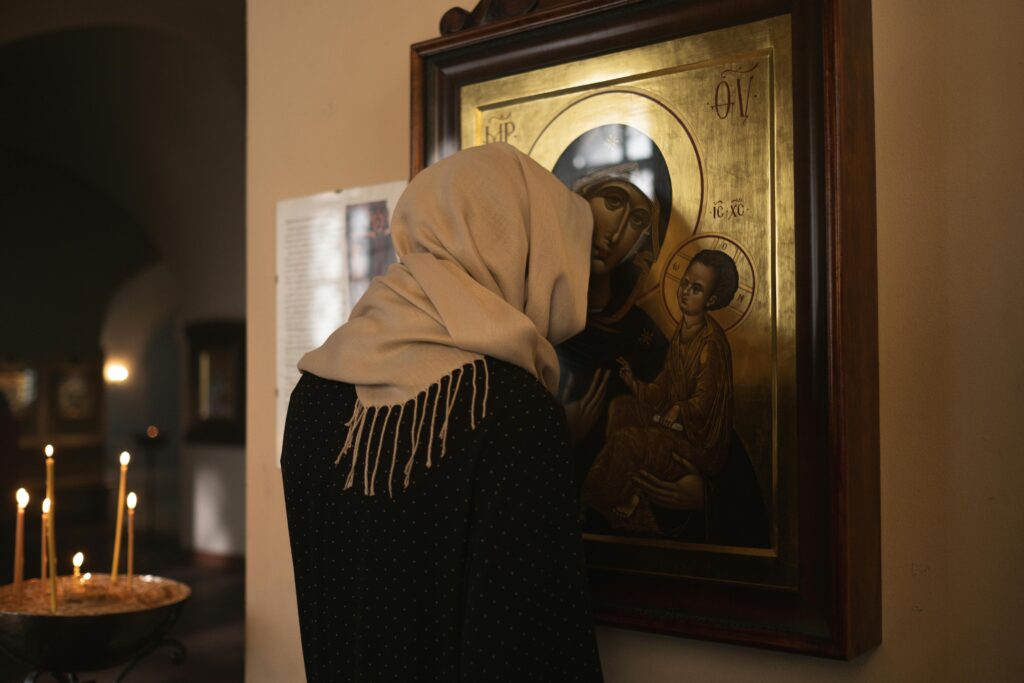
676 391
667 435
724 425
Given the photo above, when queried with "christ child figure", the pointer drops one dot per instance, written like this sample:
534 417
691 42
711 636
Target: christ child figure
680 423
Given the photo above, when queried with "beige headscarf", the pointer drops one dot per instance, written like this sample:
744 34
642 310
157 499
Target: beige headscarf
494 255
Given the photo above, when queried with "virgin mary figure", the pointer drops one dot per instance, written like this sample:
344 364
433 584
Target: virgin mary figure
623 175
621 172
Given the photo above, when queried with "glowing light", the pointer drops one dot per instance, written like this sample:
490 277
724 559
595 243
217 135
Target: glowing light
77 560
133 500
125 458
46 506
22 497
48 450
152 431
115 372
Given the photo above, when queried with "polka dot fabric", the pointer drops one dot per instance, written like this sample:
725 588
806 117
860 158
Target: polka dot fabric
473 573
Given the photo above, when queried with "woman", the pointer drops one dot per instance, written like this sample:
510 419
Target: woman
429 488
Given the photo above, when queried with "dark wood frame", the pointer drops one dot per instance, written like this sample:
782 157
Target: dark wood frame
219 335
836 609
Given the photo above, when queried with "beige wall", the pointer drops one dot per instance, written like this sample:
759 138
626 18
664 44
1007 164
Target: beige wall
328 107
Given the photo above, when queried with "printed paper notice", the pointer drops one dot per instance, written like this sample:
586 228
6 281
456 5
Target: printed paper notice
329 246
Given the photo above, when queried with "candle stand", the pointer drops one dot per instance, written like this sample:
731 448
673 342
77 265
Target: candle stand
116 632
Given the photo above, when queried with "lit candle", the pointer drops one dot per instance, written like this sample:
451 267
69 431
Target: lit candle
49 470
125 458
76 562
42 540
53 559
132 502
19 540
51 529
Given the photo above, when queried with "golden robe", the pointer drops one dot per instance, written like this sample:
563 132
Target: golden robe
696 377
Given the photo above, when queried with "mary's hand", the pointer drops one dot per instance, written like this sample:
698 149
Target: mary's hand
582 414
686 493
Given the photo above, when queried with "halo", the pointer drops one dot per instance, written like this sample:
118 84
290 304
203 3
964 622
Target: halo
737 310
655 119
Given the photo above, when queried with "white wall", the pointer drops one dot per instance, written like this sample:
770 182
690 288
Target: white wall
328 107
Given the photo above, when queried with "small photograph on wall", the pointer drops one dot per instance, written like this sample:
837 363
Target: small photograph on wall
370 251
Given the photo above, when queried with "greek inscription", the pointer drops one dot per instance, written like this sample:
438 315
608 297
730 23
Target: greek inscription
727 211
723 100
499 128
733 93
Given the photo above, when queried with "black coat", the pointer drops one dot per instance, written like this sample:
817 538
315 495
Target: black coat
473 573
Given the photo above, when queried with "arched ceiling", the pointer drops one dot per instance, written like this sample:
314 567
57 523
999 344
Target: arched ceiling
141 104
66 248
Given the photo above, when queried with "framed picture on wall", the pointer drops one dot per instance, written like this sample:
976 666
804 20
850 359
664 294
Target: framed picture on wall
730 483
216 382
54 401
75 398
19 389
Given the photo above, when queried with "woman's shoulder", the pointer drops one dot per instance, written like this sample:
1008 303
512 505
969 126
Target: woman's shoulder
313 384
522 415
514 392
511 393
325 396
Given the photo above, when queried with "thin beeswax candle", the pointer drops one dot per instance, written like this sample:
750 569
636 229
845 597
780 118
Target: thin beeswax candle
125 459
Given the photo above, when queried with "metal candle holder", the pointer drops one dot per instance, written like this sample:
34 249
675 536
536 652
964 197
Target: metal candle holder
63 645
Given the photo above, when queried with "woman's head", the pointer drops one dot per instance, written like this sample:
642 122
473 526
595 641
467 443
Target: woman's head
510 225
709 283
493 261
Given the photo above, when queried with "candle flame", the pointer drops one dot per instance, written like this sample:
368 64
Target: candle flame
77 560
133 500
46 506
22 496
125 457
86 576
48 450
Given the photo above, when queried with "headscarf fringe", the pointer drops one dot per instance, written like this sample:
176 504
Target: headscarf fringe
357 448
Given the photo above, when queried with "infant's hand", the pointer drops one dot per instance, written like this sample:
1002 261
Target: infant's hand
626 373
670 419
